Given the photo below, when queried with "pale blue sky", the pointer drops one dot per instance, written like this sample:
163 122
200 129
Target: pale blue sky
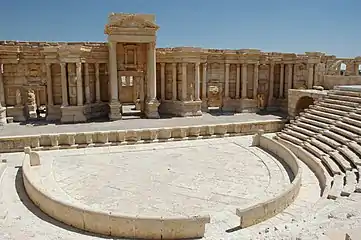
331 26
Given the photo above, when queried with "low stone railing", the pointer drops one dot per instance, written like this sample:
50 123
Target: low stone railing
51 199
264 210
134 136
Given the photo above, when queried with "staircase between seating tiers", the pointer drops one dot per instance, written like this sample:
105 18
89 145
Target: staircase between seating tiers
329 134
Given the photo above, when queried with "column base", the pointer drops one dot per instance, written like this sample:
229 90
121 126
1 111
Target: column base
72 114
3 120
115 111
204 105
151 109
17 113
96 110
181 108
53 113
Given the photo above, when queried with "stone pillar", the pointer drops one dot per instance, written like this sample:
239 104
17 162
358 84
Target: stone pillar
289 77
238 81
282 79
244 81
226 82
113 72
79 85
49 84
184 82
162 81
310 76
197 82
204 82
87 83
97 83
174 81
356 66
151 107
2 93
64 85
271 84
255 80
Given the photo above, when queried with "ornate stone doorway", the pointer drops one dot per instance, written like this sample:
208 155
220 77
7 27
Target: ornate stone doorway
214 93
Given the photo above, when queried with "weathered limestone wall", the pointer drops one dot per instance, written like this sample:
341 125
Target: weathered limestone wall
329 81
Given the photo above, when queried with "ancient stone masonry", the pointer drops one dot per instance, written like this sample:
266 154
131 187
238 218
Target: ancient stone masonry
78 81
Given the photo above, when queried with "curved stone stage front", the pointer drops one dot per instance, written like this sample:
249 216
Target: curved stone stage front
176 180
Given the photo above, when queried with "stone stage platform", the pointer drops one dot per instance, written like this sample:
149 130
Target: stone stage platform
38 128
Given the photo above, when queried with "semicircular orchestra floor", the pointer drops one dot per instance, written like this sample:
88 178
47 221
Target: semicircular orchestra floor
187 178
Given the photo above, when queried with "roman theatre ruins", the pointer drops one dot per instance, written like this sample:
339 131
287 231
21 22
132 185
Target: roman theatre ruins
121 139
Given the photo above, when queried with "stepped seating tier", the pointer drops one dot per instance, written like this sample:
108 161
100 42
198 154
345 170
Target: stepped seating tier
330 133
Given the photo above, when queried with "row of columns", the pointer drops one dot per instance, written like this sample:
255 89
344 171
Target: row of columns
79 84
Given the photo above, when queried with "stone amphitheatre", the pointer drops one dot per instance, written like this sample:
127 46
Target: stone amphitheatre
122 140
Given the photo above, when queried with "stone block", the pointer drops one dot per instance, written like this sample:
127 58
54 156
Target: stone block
164 134
34 159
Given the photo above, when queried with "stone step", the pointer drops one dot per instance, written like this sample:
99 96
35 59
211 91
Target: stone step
345 93
323 146
350 155
296 134
350 185
341 102
314 150
330 110
328 141
344 98
289 138
348 127
313 122
346 165
302 130
331 165
337 106
343 132
355 116
336 137
354 146
351 121
337 186
318 118
308 126
323 114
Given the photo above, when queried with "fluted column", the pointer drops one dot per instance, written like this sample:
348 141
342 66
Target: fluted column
2 91
97 83
204 81
49 84
272 83
289 76
244 81
226 81
255 80
197 82
162 81
174 81
79 85
310 76
87 83
184 82
64 85
282 76
238 80
151 73
113 73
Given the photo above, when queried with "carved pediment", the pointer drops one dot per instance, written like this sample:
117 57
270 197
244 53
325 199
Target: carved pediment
130 21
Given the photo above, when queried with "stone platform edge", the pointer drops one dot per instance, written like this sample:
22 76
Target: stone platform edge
134 136
265 210
52 200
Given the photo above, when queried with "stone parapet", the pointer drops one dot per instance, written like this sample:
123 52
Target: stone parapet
135 136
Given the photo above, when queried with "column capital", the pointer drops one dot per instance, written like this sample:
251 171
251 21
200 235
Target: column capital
205 65
152 44
197 64
184 64
174 64
62 64
162 64
227 65
78 64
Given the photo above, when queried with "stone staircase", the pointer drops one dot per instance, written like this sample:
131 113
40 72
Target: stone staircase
329 132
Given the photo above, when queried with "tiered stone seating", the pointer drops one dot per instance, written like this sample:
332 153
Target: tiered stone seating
330 132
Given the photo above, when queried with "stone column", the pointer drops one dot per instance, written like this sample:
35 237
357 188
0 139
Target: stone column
255 80
162 81
244 81
113 72
356 66
151 107
97 83
271 84
289 77
64 85
174 81
2 93
79 85
238 81
184 82
49 84
282 79
197 82
226 82
310 76
87 83
204 82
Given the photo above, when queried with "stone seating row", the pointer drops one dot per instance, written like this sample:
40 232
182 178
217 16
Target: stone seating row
134 136
335 96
